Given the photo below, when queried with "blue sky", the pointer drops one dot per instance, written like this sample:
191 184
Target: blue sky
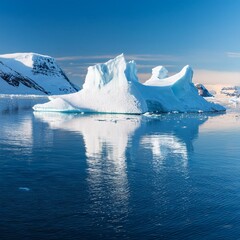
202 33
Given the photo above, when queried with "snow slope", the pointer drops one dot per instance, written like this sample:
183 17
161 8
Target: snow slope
31 73
113 87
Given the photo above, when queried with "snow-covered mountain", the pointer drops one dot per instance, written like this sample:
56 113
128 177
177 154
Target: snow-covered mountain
202 90
31 73
227 95
113 87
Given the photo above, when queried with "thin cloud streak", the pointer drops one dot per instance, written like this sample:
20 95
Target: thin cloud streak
150 66
137 57
153 57
82 57
233 54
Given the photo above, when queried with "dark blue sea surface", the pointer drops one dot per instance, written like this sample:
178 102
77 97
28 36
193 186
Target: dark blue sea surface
73 176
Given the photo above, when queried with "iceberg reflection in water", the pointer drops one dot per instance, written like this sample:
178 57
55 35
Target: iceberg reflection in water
113 141
107 137
118 176
163 145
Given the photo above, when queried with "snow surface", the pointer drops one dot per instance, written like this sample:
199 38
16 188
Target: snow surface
31 73
113 87
159 72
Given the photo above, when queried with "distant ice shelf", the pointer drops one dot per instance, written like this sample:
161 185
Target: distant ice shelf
113 87
13 102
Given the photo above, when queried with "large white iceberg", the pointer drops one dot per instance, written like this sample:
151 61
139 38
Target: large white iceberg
113 87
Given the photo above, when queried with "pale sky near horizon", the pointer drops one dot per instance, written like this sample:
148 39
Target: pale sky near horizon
202 33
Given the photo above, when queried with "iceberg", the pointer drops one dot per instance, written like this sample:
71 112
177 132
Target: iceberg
113 87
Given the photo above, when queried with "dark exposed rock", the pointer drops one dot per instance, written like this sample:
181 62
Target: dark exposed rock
202 91
48 67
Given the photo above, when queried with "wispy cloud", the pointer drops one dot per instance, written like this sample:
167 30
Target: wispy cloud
233 54
137 57
153 57
150 66
83 57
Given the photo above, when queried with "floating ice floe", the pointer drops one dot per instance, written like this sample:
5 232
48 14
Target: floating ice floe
24 189
113 87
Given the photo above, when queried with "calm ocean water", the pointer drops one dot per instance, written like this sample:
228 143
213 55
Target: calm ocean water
119 176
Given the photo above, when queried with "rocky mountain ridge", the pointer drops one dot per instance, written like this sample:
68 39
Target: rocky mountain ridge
31 73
